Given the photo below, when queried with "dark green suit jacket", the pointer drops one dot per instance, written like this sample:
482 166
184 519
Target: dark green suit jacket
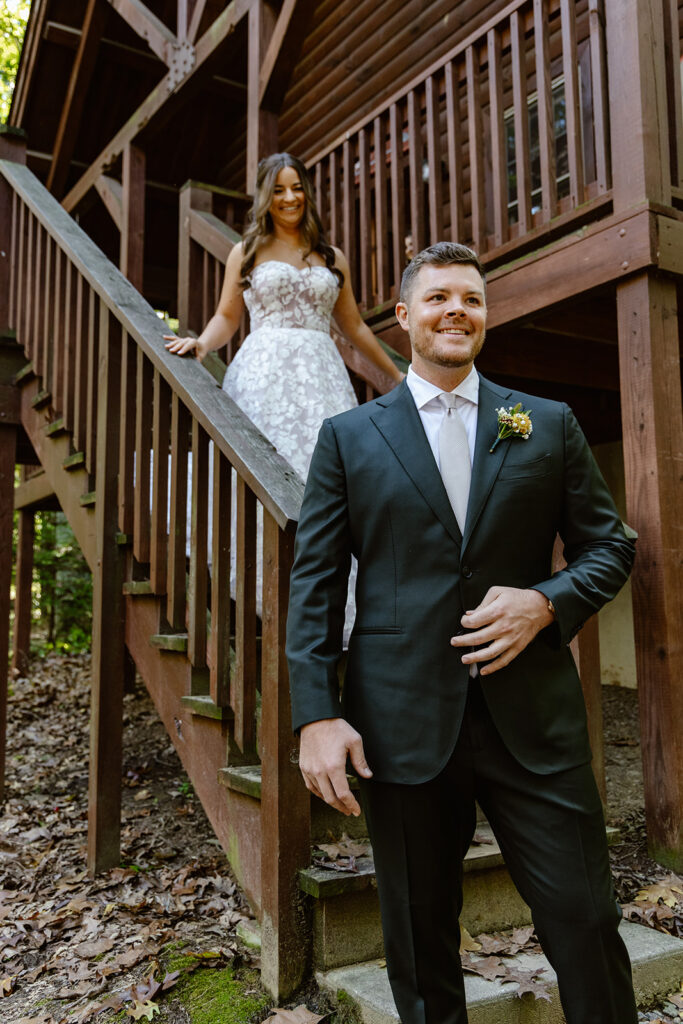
374 491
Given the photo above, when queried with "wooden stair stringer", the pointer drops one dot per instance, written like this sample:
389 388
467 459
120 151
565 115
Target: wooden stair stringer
67 485
201 744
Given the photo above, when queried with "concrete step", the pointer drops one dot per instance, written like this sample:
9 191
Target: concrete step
345 906
657 960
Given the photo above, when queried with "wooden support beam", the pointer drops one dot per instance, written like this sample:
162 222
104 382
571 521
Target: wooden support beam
638 110
21 638
133 215
159 104
283 51
262 129
108 625
195 20
110 192
612 249
8 443
145 23
653 457
35 493
76 94
285 802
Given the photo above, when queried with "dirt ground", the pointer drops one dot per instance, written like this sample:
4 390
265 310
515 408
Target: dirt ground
74 948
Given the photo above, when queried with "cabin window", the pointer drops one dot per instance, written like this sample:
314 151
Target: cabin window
561 154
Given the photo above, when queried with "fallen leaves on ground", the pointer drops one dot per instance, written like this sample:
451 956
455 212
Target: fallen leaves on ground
659 905
73 943
299 1015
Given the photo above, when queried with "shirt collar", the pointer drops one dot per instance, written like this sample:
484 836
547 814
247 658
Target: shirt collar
424 392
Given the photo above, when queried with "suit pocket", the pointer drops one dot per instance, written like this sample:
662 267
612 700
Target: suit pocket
524 470
375 630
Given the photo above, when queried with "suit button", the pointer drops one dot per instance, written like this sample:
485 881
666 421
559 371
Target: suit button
466 572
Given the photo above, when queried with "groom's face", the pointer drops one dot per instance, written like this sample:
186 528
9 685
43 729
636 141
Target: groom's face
445 316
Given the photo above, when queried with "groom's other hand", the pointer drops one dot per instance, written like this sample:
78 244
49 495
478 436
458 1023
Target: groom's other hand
505 622
323 749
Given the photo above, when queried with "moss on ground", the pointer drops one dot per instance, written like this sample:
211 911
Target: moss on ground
221 996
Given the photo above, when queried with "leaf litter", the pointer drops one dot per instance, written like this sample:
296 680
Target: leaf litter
75 948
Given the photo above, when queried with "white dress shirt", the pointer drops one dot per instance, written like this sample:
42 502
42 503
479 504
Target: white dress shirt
426 398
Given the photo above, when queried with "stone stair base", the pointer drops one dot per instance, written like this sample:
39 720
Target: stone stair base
657 960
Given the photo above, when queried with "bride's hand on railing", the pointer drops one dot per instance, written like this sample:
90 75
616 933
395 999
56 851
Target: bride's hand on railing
184 346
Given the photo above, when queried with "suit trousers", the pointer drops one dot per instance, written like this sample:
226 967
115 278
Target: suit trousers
551 832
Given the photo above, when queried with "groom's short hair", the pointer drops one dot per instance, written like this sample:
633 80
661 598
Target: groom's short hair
440 254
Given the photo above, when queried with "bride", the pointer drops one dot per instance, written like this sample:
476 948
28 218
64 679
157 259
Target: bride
287 375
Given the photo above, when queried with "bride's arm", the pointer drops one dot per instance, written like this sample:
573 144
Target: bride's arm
225 320
351 324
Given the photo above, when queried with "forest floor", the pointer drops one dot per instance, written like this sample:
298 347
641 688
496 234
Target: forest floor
156 938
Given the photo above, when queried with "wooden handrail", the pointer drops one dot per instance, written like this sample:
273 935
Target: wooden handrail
266 473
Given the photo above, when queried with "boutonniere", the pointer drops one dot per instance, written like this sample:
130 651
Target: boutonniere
513 422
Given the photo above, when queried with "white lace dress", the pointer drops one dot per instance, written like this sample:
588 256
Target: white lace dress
288 375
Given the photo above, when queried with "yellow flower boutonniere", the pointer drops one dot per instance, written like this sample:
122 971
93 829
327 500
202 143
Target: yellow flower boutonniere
513 422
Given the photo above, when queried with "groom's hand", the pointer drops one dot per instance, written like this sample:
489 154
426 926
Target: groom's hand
323 750
506 621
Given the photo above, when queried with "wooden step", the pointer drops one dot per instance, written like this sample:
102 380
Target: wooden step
74 461
25 373
202 705
135 588
87 500
169 641
42 398
55 428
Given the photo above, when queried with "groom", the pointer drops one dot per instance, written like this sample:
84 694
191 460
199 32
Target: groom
459 684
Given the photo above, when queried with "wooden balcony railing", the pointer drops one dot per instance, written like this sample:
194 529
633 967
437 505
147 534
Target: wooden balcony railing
136 413
489 146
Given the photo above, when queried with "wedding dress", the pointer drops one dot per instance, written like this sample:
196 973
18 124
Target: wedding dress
288 375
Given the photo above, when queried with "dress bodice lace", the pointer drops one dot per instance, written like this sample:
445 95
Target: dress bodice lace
284 296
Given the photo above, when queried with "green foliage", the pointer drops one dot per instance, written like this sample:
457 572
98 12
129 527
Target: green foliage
61 593
13 18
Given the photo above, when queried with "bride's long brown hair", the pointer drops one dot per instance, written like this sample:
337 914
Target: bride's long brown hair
260 224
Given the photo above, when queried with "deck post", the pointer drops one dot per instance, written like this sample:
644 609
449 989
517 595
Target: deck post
190 270
285 802
108 618
653 456
262 124
21 639
8 444
133 215
651 411
12 147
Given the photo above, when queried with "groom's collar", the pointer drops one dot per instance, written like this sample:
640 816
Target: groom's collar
423 391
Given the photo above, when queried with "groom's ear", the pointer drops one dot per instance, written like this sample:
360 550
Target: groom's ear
402 315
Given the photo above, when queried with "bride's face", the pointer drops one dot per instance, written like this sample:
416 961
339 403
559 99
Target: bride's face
289 202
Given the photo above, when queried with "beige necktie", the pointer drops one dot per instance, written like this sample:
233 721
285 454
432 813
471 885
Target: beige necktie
454 457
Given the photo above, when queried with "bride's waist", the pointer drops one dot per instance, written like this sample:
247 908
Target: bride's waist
277 328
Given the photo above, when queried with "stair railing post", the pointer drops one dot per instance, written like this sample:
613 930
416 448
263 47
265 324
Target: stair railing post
21 637
190 284
285 802
108 618
12 147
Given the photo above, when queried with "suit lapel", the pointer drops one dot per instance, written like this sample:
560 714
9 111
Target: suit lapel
487 464
398 421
